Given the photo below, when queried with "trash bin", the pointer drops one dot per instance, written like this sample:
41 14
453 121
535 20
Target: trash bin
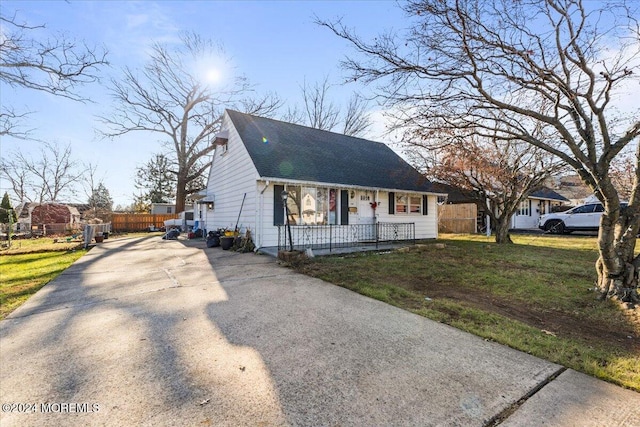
226 242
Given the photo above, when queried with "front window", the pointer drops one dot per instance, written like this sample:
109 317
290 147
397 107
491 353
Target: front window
401 204
408 204
523 208
415 204
311 205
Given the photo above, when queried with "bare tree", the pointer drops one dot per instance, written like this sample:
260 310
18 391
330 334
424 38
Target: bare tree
498 176
518 66
11 122
55 65
169 98
356 119
321 112
52 175
17 176
96 193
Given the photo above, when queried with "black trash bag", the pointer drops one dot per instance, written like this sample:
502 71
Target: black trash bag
172 234
213 239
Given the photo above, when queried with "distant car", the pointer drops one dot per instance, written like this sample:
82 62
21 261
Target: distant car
581 218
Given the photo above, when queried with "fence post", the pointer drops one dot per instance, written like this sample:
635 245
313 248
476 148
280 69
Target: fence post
330 237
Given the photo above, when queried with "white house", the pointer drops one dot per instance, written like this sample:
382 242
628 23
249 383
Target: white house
163 208
537 204
340 189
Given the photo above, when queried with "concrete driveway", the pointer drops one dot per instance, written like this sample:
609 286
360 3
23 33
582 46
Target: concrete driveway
150 332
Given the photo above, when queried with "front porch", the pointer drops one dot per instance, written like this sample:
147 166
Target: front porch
337 238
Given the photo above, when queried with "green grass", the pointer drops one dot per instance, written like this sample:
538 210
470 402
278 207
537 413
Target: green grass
23 275
536 296
41 244
29 264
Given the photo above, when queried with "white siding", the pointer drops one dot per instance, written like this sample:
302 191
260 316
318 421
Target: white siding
269 232
232 175
531 219
426 225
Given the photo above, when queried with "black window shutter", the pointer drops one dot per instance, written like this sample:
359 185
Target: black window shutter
530 207
344 207
392 202
425 204
278 206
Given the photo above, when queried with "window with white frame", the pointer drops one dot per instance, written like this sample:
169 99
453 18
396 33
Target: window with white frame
312 205
523 208
408 204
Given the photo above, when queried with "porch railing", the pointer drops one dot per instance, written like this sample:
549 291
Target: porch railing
343 236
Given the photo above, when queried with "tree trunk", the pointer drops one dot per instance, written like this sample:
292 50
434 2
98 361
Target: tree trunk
621 284
617 269
502 230
181 192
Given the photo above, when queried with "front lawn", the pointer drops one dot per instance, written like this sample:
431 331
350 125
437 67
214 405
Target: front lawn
536 296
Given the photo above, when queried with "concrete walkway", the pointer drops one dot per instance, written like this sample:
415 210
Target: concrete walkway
151 332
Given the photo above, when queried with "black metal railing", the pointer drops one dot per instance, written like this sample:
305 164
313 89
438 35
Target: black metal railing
343 236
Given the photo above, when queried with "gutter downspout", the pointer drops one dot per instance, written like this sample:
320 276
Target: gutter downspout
260 223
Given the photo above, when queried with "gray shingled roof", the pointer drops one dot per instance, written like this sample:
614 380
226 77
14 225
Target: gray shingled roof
547 193
294 152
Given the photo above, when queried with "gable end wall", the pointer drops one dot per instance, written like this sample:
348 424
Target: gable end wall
231 176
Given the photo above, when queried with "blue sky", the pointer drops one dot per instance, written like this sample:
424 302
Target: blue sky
274 43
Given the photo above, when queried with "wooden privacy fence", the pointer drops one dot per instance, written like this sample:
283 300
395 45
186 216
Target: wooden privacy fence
458 218
139 222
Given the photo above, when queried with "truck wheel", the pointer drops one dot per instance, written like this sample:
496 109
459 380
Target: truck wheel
554 227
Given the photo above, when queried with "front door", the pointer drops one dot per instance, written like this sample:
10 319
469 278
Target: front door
366 215
365 211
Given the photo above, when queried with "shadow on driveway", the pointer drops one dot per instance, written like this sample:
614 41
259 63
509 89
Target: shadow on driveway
159 332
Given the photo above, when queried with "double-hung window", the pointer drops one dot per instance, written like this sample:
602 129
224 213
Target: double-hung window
408 204
524 209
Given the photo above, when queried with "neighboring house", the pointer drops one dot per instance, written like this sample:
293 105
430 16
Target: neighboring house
163 208
48 218
338 186
537 204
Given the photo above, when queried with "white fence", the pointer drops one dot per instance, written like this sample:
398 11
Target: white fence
93 230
